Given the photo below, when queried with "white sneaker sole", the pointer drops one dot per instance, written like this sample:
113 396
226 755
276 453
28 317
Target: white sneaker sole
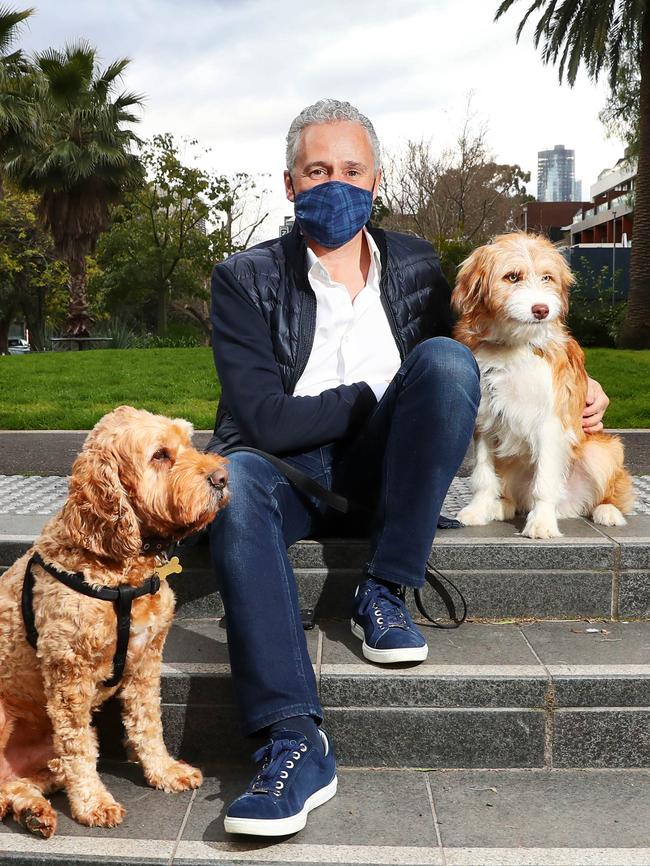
281 826
389 656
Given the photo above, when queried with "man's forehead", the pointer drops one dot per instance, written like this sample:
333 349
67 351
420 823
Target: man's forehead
340 140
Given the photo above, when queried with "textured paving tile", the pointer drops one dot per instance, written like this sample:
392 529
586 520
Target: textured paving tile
590 643
542 808
601 737
438 737
150 814
357 815
471 644
634 595
528 592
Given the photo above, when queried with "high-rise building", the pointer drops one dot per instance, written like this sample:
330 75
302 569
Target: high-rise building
556 174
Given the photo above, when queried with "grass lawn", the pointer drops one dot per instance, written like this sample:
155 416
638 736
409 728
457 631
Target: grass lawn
72 390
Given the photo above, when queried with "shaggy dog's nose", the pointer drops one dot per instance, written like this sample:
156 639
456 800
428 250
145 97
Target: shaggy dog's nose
218 478
540 311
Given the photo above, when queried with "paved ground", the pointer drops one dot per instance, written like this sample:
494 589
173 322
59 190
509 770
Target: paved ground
51 452
23 495
450 818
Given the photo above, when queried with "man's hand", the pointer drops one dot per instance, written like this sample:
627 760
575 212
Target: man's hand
597 402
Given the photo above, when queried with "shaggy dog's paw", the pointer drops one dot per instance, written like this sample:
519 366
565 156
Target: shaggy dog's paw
541 526
473 516
105 812
177 776
608 515
39 818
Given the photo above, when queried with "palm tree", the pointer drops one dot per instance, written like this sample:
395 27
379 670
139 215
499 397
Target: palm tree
78 159
14 109
598 33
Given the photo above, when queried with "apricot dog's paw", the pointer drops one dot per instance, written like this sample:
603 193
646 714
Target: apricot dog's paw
106 812
177 776
39 818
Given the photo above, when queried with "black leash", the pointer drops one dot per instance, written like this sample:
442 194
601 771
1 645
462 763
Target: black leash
340 503
122 595
437 581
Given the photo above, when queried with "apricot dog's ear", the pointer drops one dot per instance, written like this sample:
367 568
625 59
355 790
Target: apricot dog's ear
472 281
97 513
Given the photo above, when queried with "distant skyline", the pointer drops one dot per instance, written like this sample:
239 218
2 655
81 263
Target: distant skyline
234 73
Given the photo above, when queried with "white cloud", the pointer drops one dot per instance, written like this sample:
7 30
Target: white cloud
233 73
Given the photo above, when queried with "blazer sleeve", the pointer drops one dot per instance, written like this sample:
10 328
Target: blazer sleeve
252 386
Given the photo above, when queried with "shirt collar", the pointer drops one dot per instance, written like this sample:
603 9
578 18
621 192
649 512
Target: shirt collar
314 264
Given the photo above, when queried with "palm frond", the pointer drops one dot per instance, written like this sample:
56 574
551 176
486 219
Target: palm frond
10 21
593 32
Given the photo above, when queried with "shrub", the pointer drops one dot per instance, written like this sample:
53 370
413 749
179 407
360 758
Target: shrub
593 319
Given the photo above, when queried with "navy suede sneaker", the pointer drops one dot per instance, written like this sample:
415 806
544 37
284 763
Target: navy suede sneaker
380 619
294 778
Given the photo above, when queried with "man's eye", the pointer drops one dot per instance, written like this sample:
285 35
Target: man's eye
161 454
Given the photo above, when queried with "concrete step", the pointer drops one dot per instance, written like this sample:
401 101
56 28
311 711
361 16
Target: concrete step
546 694
378 818
589 572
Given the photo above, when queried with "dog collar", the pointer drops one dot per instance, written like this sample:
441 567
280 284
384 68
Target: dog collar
123 595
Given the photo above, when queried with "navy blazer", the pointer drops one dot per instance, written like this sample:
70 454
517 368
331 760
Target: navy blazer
263 322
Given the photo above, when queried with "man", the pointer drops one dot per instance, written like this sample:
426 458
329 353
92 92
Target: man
333 352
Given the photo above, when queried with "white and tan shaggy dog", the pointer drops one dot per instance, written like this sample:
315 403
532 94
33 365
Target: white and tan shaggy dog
532 455
137 480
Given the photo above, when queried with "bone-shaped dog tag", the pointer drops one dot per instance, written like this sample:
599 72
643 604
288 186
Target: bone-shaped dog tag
171 567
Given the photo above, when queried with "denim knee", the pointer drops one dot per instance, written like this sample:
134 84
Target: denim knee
251 481
447 360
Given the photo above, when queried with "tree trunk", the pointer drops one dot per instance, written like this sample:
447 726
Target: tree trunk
5 324
161 315
79 319
635 333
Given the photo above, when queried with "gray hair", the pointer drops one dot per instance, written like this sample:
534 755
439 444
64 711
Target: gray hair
328 111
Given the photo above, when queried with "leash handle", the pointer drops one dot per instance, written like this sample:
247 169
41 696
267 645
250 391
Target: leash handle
437 581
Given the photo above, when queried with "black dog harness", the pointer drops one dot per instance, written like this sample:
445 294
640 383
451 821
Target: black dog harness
122 595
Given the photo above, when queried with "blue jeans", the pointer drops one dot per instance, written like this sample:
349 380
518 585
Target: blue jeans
399 466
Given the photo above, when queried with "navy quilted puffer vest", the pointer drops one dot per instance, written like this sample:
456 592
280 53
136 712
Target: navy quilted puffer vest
263 323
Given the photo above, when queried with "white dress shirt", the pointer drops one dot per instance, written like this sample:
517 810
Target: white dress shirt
353 341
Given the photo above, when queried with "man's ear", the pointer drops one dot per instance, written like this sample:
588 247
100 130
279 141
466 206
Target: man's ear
376 184
288 186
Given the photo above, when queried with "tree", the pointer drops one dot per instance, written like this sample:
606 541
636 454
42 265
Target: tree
14 108
456 200
159 253
29 272
621 114
598 33
78 159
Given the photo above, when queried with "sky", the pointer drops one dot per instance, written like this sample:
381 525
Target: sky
233 74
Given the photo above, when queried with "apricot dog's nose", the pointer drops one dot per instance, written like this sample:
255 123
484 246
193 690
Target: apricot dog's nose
540 311
219 478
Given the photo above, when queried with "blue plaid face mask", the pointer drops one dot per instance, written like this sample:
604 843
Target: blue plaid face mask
332 213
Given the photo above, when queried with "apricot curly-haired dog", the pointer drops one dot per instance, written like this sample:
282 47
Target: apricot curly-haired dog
532 454
137 476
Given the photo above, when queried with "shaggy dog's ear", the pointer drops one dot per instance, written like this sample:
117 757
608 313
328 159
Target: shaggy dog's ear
472 281
567 279
97 513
